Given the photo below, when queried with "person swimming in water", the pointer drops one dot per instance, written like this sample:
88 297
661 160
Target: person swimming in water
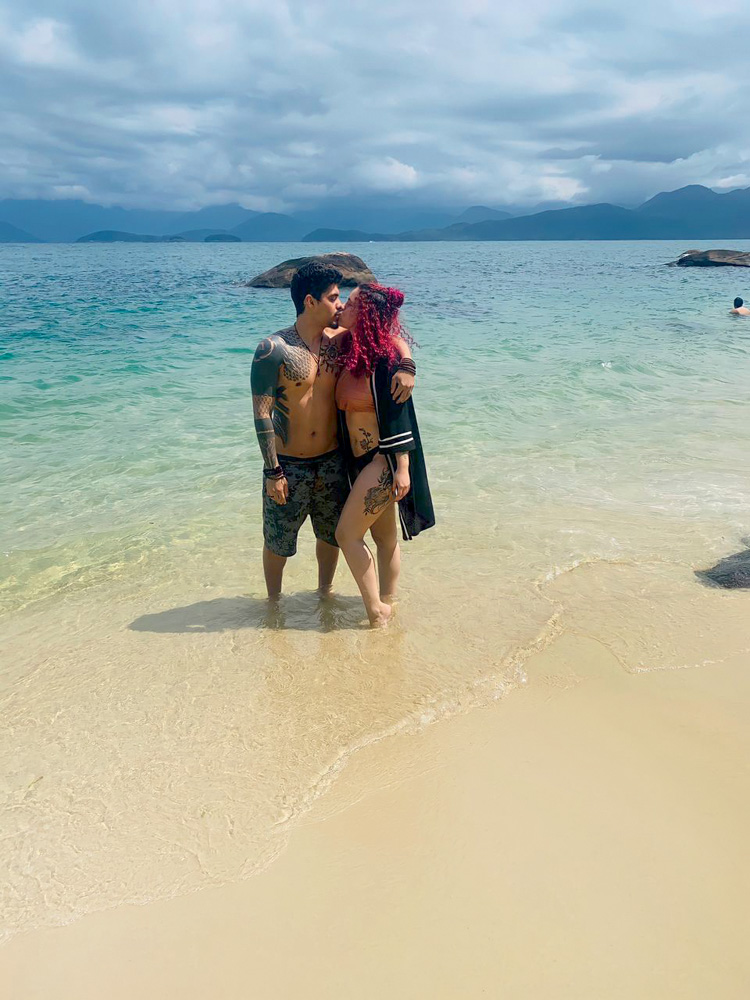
740 309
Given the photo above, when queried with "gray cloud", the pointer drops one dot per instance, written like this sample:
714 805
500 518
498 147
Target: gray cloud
182 103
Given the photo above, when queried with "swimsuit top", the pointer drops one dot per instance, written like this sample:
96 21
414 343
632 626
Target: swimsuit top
354 394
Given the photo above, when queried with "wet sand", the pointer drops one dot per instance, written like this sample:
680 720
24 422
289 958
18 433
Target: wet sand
584 837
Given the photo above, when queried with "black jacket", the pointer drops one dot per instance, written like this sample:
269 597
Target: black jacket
398 431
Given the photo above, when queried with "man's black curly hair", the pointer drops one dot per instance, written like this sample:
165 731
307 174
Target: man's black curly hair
313 279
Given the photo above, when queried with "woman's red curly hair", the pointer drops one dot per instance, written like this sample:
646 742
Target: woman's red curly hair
373 335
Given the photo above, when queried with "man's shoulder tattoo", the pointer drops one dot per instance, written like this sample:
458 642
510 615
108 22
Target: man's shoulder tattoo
265 349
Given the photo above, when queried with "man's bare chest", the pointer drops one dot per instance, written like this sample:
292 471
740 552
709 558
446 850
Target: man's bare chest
303 370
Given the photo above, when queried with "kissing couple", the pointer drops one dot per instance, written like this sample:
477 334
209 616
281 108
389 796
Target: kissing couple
338 434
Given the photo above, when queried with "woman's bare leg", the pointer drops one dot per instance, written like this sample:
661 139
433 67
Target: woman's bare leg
369 497
385 535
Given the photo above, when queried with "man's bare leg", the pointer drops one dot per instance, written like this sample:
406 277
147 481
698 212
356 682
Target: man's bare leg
328 557
273 569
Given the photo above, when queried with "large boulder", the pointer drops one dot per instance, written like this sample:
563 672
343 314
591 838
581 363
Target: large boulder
354 270
712 258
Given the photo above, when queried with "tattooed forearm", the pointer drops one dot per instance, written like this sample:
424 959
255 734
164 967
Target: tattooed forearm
264 428
379 496
267 442
367 441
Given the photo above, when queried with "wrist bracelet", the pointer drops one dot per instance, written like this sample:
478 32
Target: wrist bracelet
407 365
277 473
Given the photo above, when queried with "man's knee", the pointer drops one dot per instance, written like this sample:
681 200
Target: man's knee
273 558
325 549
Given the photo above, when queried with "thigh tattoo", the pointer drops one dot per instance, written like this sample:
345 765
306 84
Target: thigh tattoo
379 496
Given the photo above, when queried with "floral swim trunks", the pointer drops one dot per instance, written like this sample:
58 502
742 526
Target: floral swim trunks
318 487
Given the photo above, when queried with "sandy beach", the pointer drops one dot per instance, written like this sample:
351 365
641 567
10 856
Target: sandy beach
584 837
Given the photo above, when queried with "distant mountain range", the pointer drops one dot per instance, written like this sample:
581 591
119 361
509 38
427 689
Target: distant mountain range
71 221
66 221
692 212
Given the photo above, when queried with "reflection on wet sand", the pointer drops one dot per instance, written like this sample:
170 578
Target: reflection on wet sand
302 611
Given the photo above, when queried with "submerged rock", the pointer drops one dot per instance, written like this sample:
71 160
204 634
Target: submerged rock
354 270
731 573
712 258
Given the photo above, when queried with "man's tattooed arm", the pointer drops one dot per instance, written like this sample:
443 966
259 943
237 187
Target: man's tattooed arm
264 377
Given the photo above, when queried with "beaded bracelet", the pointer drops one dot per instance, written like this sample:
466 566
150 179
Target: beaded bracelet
407 365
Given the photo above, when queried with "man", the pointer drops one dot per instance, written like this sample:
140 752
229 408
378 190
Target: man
740 309
293 379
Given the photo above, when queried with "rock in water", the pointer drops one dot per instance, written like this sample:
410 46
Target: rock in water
731 573
712 258
354 270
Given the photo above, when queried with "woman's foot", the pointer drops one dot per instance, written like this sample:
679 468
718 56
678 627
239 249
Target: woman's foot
380 616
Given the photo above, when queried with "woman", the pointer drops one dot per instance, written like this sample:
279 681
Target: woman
381 440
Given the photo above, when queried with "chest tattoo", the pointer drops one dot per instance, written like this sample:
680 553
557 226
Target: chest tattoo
330 357
299 364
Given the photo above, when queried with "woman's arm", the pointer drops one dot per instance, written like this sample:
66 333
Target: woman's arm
401 479
402 383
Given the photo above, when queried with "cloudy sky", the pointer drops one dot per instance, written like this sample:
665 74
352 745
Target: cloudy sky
281 105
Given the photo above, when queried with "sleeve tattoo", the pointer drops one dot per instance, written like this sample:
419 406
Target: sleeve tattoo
264 377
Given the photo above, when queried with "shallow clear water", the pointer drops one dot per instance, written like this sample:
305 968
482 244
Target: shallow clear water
586 418
584 373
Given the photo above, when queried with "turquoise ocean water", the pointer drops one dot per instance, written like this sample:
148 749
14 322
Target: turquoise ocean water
582 372
586 418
